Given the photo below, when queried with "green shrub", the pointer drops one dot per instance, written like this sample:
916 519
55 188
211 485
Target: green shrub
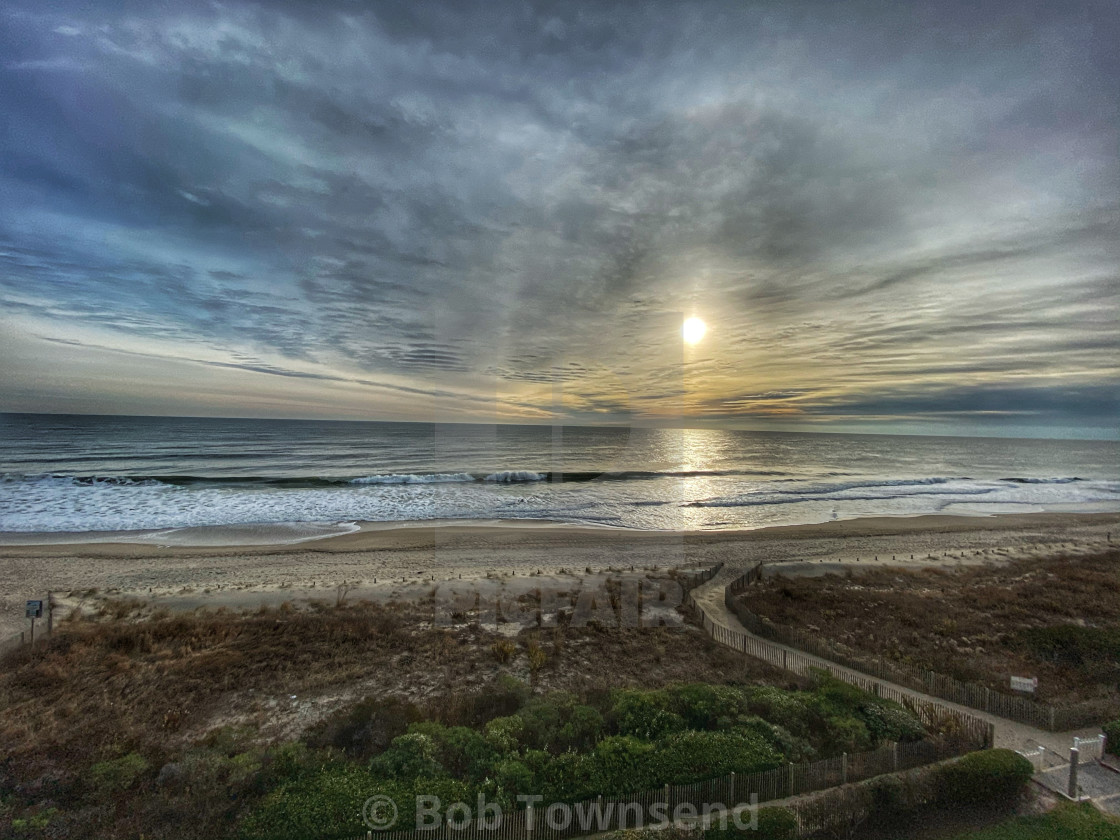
567 777
986 776
583 728
773 824
559 722
891 722
702 706
892 796
505 733
644 714
845 733
460 751
331 800
787 709
410 756
622 764
691 756
328 804
1112 737
838 695
509 778
287 762
795 749
118 774
542 718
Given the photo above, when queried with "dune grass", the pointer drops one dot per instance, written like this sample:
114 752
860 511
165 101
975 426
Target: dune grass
1057 618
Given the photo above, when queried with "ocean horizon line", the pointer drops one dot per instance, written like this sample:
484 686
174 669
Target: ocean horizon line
1107 435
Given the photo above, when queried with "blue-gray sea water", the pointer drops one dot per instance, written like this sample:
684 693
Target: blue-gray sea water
85 473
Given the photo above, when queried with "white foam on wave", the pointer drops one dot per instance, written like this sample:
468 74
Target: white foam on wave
410 478
59 504
928 493
512 476
86 481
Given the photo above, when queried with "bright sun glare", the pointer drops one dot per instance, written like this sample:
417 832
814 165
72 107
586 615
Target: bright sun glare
693 330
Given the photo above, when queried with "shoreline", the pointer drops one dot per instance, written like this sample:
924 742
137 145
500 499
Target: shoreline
403 562
270 537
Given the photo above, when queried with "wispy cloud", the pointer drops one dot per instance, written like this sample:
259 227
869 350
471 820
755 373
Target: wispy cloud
881 212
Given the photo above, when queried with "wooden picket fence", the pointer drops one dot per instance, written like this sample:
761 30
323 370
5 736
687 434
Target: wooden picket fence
689 579
974 695
651 807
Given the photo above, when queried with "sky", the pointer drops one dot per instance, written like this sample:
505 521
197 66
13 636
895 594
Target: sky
892 217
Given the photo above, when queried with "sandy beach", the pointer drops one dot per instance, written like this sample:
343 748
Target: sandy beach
379 561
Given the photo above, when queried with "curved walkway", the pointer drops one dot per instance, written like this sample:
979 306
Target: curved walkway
709 597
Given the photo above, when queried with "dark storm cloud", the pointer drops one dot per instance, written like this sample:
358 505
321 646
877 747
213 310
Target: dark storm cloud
855 197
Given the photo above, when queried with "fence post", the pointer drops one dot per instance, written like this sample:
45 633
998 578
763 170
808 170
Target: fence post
1051 718
1074 756
844 769
894 756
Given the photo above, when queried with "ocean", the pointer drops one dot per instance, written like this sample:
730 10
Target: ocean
70 473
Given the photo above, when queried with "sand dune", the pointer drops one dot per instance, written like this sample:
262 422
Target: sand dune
384 561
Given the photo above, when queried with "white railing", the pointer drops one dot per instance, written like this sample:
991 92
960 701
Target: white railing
1037 758
1091 749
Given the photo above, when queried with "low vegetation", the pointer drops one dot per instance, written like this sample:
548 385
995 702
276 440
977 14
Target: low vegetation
906 804
985 776
1066 822
1056 618
568 747
1112 737
215 724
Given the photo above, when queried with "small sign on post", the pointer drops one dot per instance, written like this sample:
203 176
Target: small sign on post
34 611
1027 684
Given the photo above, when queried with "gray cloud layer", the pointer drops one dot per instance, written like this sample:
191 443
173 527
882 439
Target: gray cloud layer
883 211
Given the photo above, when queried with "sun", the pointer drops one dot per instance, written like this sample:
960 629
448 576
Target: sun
693 330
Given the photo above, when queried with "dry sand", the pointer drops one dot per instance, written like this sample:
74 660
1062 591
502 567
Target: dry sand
402 560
